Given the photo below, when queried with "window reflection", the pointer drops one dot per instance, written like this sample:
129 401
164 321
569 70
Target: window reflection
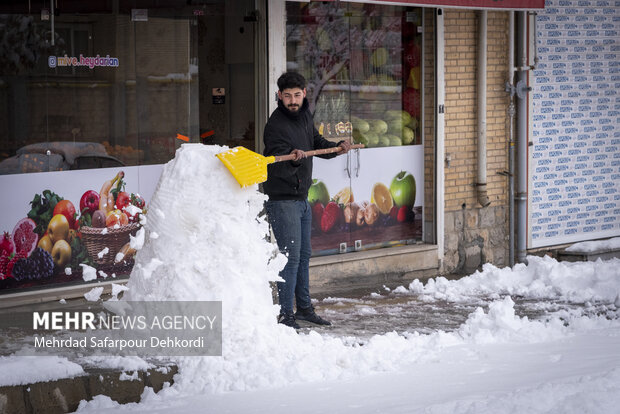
125 82
362 63
109 91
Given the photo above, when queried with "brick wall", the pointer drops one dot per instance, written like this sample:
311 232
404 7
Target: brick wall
474 235
497 107
461 108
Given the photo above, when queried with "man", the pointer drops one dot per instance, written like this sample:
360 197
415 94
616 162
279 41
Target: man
290 130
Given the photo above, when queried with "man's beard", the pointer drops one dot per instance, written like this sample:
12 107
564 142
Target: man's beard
293 107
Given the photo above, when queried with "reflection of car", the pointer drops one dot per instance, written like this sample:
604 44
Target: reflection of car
58 156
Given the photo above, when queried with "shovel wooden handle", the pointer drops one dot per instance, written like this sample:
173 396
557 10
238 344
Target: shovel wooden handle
291 157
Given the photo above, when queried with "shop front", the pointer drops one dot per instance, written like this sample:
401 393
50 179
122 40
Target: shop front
97 96
365 73
94 98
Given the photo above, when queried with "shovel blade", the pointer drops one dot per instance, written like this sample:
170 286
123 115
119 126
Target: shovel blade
246 166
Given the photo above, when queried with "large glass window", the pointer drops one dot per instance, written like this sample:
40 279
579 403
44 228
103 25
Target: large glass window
364 67
118 83
110 88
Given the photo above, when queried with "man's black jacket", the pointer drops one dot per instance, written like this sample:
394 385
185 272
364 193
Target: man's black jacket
284 132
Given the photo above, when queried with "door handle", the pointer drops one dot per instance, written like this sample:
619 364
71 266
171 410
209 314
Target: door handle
347 167
358 166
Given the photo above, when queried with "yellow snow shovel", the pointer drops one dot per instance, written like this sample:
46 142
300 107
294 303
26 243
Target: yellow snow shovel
249 168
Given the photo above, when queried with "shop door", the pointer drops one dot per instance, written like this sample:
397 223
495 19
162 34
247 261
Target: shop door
574 162
226 61
363 67
195 75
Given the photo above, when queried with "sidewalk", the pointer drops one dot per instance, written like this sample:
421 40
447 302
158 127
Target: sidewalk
360 314
64 395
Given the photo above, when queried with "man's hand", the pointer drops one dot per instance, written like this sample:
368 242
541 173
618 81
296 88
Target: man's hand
299 154
345 147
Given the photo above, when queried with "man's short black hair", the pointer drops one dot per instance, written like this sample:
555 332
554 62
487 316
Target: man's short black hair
290 80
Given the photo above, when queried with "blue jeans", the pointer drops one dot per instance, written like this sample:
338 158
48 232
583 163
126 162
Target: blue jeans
291 221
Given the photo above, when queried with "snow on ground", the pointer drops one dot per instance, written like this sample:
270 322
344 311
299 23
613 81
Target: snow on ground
576 375
17 369
212 246
542 278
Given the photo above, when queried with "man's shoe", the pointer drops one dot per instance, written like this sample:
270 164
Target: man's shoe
288 319
309 315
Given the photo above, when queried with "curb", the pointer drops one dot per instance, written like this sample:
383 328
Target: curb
64 395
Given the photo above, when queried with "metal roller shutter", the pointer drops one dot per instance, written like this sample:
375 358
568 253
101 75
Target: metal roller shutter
574 159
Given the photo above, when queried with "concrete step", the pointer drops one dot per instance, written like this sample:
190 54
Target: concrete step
370 269
64 395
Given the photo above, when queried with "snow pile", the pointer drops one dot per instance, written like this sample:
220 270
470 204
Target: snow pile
94 294
88 272
501 324
31 369
213 248
595 246
542 278
213 245
117 290
98 403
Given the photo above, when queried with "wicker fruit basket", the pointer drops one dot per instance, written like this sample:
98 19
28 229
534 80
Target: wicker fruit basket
96 239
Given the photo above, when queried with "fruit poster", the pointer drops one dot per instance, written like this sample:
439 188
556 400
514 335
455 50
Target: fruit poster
71 226
373 196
